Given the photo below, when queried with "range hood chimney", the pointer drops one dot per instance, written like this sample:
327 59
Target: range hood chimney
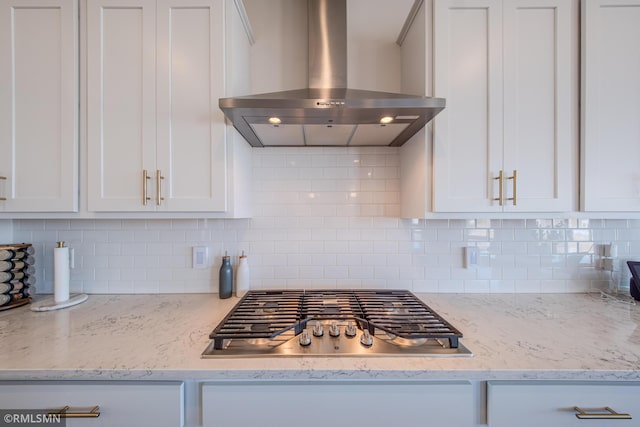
327 113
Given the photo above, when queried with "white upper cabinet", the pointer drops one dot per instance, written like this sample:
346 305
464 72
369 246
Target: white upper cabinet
611 105
509 73
191 144
156 137
38 106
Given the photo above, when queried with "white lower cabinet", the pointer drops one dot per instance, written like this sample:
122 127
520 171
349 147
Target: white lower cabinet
121 404
337 403
554 403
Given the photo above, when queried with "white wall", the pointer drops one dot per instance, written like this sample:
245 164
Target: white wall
374 59
279 55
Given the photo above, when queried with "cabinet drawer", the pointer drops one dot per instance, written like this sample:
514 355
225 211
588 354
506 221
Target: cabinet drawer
552 403
122 404
337 403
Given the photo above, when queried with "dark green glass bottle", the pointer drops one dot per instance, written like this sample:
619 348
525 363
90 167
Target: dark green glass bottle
226 278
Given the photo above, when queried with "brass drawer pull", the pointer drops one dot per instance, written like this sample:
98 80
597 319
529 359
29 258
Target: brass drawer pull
500 179
159 179
3 178
66 412
609 415
515 191
145 178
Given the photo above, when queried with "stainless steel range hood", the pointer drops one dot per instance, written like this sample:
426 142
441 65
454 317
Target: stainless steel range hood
327 113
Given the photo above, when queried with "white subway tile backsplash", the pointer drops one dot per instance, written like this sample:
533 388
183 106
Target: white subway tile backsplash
146 261
57 224
616 223
286 272
477 286
411 273
512 223
361 272
451 286
328 217
528 286
70 237
107 274
337 247
475 234
502 286
311 246
373 259
349 259
107 249
425 286
93 287
109 224
335 272
90 261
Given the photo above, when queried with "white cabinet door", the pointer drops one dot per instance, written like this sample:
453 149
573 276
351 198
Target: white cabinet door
551 404
121 103
610 105
338 403
122 404
156 137
508 70
190 127
468 132
541 105
38 105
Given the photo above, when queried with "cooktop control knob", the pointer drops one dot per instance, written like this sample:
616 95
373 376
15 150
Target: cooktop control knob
366 339
305 338
350 330
318 330
334 329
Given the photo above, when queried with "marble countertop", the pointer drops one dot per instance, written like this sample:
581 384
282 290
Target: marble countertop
512 336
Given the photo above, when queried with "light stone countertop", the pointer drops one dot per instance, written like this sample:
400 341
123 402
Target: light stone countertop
512 336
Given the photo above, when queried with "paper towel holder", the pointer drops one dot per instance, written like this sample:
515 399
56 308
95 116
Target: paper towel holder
62 260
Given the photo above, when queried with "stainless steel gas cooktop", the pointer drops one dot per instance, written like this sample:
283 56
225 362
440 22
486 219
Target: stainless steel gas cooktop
326 323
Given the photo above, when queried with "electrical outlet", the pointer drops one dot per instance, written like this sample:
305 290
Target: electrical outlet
200 256
471 254
608 253
607 264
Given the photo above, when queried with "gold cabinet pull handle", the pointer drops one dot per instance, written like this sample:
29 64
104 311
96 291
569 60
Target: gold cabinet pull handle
145 179
515 190
159 179
66 412
610 414
3 198
500 179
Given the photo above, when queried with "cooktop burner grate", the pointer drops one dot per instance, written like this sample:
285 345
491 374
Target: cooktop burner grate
265 315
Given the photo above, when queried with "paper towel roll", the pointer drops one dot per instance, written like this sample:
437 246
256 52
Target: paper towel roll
61 273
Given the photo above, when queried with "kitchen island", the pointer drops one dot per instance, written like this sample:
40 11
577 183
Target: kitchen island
557 346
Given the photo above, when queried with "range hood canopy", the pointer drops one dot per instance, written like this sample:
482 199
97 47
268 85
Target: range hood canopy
327 113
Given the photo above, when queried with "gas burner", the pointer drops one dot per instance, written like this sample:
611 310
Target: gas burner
325 323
